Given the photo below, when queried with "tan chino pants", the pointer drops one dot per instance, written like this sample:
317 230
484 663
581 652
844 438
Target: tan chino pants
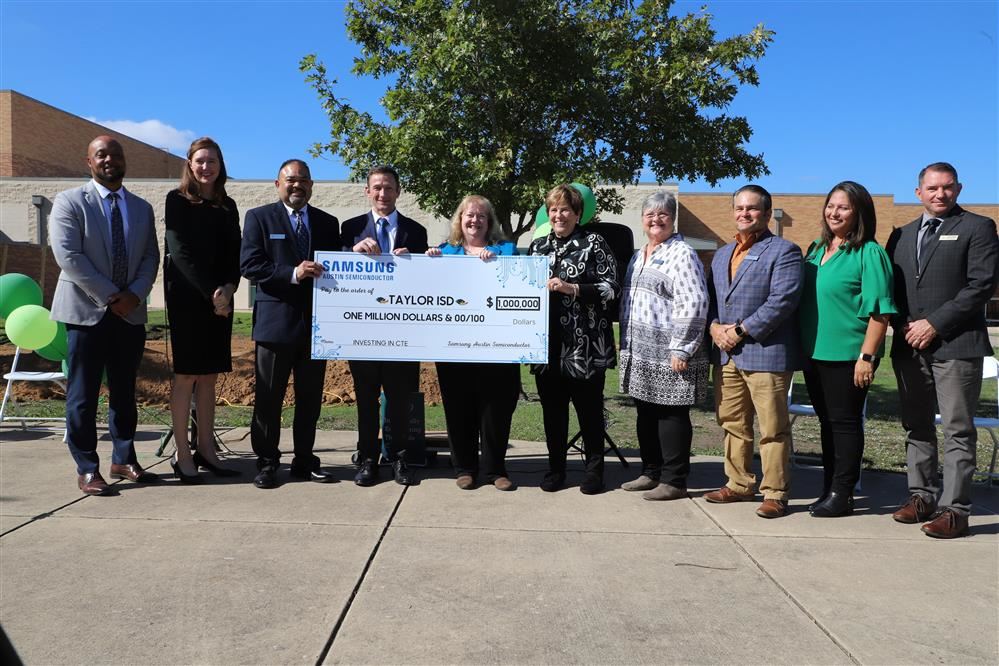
739 396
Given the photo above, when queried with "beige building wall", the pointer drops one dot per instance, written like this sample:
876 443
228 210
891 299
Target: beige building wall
705 219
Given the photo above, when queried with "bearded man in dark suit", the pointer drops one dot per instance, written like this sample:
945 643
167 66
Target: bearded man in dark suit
945 273
383 230
279 242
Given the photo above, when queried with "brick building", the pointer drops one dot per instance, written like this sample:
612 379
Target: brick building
41 141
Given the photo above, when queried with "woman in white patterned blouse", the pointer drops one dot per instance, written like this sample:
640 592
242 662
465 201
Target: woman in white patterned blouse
664 305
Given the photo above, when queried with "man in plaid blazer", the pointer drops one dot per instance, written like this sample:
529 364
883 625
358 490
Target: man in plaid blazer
945 272
755 287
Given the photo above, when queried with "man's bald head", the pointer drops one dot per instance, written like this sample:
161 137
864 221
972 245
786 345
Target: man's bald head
106 159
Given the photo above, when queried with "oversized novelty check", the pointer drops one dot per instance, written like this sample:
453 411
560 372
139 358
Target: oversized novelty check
420 308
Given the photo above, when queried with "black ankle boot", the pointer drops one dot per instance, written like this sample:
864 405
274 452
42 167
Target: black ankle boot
820 500
833 506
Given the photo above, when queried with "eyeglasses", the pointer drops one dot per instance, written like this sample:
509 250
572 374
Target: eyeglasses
657 215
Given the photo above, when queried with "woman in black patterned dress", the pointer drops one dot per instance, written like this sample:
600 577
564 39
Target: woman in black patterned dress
582 282
200 272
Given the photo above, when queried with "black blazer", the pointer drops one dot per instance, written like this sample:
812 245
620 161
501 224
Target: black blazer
958 280
411 234
282 311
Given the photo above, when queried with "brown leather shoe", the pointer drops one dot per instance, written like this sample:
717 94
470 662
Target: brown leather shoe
726 495
772 508
503 483
915 510
946 524
93 484
133 472
465 481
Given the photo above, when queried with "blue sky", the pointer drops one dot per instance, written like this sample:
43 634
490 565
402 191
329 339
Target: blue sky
868 91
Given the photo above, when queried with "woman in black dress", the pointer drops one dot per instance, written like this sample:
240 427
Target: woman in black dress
201 271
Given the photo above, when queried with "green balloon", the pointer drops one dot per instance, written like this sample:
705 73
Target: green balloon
541 217
29 327
58 349
542 230
17 290
589 202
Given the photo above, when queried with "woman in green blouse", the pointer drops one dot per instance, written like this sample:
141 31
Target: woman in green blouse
844 312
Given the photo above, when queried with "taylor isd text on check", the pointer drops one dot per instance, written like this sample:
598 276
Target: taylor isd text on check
419 308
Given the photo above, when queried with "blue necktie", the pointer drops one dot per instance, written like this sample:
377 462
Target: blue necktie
301 235
384 242
119 255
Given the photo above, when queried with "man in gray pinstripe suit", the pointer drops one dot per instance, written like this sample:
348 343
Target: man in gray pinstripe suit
945 273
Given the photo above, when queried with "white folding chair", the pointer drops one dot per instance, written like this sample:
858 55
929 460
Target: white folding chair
990 370
16 375
796 409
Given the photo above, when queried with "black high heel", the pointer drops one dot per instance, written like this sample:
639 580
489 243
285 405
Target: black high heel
834 506
193 480
200 461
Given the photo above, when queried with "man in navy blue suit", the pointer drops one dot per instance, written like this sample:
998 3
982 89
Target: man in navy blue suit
383 230
278 245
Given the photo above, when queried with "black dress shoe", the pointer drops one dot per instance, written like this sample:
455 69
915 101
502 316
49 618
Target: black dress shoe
403 475
553 481
834 506
367 473
200 461
316 475
592 485
266 478
193 479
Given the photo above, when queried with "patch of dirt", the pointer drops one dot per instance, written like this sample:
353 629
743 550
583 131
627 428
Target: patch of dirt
234 388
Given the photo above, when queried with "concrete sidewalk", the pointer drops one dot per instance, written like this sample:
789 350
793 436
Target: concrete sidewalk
307 573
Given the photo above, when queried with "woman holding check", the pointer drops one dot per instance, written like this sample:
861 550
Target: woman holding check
844 311
479 398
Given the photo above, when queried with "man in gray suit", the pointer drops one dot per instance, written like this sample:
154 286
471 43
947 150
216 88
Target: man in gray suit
104 240
945 273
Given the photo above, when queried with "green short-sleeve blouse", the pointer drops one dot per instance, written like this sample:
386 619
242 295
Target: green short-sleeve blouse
839 298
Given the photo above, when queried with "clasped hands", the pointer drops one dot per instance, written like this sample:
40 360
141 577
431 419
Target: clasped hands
562 287
724 336
123 302
222 300
919 334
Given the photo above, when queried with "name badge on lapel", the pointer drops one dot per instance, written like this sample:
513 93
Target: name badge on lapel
750 257
947 237
277 236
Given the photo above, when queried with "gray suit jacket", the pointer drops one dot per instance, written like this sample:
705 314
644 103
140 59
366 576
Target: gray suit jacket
80 235
957 282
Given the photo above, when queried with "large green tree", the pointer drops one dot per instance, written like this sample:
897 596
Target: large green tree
506 98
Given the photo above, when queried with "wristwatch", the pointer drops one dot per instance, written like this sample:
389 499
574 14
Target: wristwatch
866 357
740 331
